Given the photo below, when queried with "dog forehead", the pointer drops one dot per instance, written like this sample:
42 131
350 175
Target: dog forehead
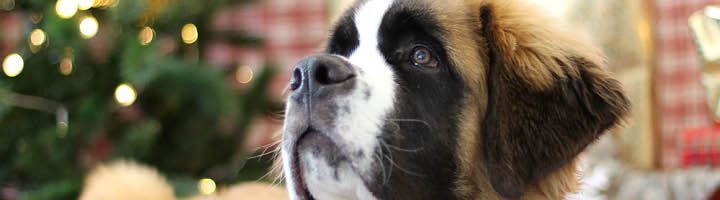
367 20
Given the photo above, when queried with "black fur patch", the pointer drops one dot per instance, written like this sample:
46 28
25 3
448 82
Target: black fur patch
420 134
344 38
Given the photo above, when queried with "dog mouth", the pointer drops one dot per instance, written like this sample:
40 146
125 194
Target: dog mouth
317 144
311 147
298 173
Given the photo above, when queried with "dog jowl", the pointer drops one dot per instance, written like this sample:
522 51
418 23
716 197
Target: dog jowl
429 99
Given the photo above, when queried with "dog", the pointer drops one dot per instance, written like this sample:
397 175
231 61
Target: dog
445 99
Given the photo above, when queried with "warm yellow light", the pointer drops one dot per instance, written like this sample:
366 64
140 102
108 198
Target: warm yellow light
244 74
104 3
66 8
206 186
66 66
88 27
37 37
146 35
7 5
13 65
85 4
189 33
125 95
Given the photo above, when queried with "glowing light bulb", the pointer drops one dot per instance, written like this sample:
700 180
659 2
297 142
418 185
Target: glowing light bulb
13 65
189 33
66 8
88 27
206 186
85 4
146 35
244 74
125 95
37 37
66 66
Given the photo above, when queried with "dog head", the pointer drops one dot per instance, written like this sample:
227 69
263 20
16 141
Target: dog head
429 99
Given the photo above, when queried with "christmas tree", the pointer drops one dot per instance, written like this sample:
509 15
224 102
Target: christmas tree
97 80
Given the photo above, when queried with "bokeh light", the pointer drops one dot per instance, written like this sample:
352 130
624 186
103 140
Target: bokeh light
244 74
146 35
88 27
13 65
206 186
125 94
85 4
66 66
37 37
66 8
189 33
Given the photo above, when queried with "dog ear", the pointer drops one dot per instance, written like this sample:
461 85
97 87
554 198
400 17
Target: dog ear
548 98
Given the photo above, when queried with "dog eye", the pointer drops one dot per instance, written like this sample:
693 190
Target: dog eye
423 57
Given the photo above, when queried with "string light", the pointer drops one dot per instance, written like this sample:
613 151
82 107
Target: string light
66 66
88 27
66 8
85 4
37 37
125 95
13 65
244 74
36 18
189 33
146 35
206 186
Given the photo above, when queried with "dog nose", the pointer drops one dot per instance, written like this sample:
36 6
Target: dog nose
321 74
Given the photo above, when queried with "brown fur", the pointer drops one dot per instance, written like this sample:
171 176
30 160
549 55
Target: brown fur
536 52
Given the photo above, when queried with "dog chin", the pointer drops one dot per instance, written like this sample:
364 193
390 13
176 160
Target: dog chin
326 171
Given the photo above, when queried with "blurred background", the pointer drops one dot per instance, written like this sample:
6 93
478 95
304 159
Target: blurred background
194 89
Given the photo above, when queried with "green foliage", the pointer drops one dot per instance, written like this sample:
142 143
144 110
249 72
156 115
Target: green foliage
187 121
4 100
65 189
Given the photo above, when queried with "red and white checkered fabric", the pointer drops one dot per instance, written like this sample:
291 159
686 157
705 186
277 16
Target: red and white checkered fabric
681 101
700 147
290 29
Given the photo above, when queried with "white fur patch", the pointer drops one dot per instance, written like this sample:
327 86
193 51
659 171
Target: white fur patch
359 126
326 182
290 182
366 117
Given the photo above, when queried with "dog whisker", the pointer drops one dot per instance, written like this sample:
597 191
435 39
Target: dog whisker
378 159
395 126
276 171
390 158
266 151
395 165
273 169
279 178
396 148
404 150
413 120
